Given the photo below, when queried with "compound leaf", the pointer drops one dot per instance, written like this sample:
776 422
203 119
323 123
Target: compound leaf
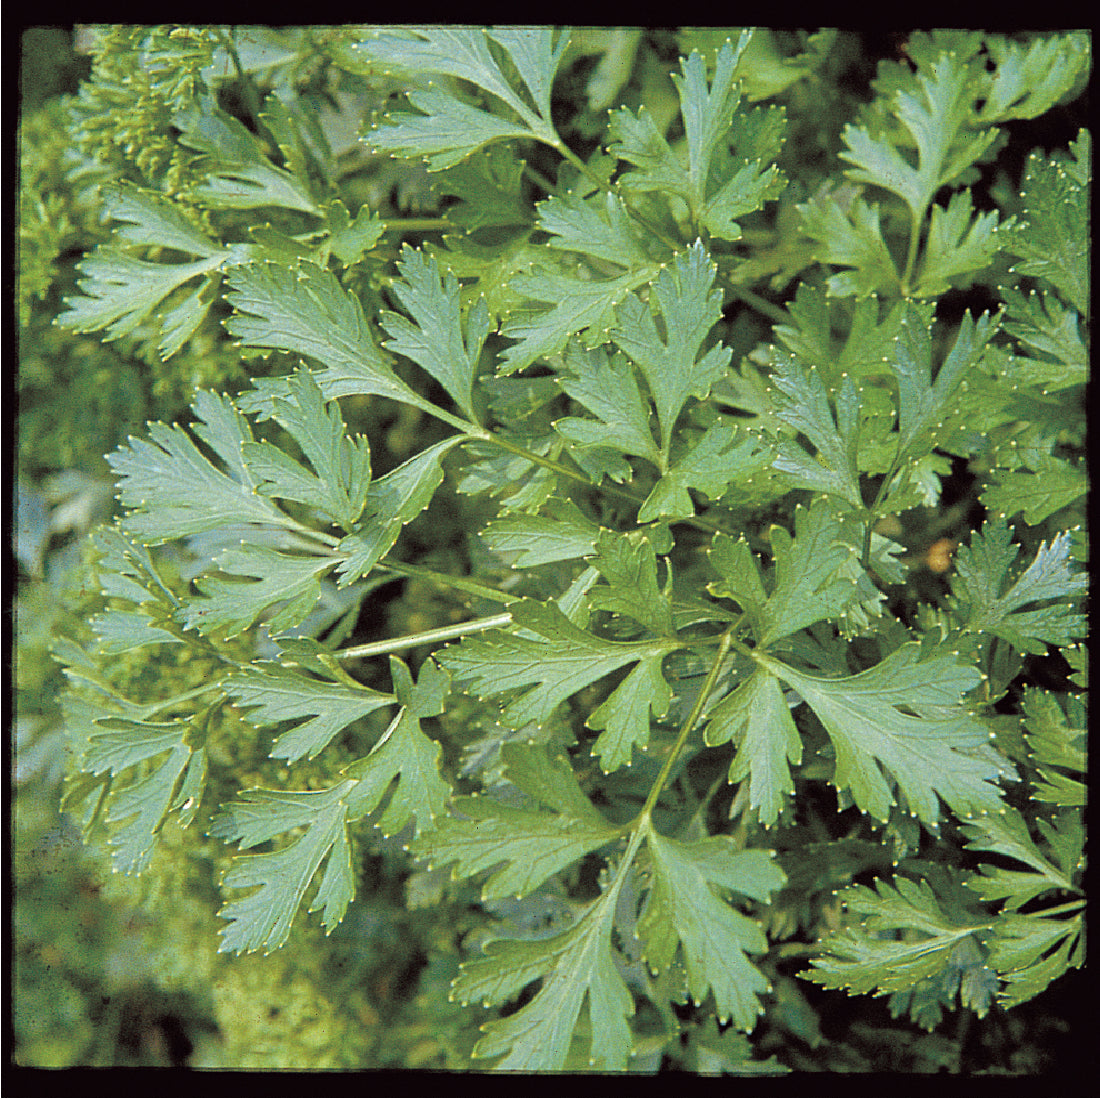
574 965
263 918
904 714
176 491
684 907
434 338
986 603
671 363
341 462
274 694
880 954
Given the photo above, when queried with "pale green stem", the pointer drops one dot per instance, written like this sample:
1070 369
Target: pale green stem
425 637
689 724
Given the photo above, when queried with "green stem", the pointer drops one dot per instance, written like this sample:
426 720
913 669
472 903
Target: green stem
446 582
425 637
768 309
417 225
1069 906
911 258
689 724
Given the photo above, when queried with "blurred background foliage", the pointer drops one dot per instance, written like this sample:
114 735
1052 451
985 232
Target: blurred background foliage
109 971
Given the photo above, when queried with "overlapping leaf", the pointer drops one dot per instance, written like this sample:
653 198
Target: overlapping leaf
904 714
986 602
684 907
449 129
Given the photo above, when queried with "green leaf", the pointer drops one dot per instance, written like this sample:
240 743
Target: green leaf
904 714
1044 325
340 482
1031 77
606 385
529 540
670 361
575 966
391 502
488 189
275 694
958 245
937 115
986 603
307 312
805 407
435 338
450 130
228 607
263 918
625 716
758 717
1029 952
405 753
848 234
684 907
717 185
924 404
1049 237
240 176
1006 833
176 491
549 660
870 957
123 631
721 456
120 292
1036 493
148 218
350 240
531 845
1056 740
138 810
629 567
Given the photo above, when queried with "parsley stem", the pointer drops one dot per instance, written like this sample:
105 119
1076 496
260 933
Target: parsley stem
690 722
425 637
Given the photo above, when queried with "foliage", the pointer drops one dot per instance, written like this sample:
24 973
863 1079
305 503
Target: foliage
658 516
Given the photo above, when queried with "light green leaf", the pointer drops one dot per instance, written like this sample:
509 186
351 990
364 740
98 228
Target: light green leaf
406 753
958 245
1036 493
869 956
629 567
1006 833
123 631
985 603
549 660
848 234
670 363
563 535
904 714
176 491
148 218
340 482
717 939
1056 740
138 810
605 384
434 339
228 607
274 694
307 312
625 716
575 966
1030 952
757 717
391 502
263 918
721 456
